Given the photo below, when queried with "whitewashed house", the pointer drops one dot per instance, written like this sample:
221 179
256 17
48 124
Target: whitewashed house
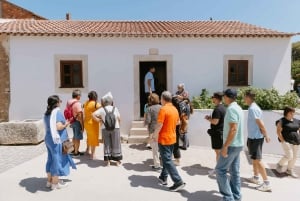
46 57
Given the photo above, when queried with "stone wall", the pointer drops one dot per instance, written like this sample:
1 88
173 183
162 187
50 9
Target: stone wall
12 11
4 81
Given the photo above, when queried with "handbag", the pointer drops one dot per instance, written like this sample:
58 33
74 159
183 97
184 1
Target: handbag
67 147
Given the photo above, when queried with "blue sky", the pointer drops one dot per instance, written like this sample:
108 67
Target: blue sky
281 15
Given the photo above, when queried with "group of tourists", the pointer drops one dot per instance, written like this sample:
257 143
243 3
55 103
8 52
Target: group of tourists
226 132
89 117
167 118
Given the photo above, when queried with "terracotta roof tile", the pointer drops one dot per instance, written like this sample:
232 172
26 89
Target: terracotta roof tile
138 28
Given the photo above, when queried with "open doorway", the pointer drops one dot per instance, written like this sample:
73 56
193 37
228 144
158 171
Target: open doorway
160 79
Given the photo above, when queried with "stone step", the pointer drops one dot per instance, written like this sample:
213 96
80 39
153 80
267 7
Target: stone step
137 139
137 124
139 131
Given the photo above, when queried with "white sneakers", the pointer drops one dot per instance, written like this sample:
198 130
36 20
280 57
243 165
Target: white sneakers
264 188
253 180
292 173
48 184
61 184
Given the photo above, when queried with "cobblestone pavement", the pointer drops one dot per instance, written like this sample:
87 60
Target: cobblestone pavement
11 156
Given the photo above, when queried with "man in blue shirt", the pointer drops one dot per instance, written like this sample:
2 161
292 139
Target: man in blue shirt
233 139
149 88
149 81
256 135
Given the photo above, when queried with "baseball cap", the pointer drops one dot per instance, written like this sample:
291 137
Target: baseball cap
230 93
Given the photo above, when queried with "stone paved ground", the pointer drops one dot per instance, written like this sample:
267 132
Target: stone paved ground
11 156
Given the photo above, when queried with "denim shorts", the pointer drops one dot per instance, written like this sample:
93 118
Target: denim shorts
255 148
77 133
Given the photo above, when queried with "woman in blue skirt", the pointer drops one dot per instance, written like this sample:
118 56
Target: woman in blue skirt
58 164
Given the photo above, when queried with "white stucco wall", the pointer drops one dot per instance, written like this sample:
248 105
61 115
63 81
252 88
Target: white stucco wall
196 62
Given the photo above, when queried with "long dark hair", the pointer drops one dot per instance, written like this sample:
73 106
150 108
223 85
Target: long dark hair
52 104
92 95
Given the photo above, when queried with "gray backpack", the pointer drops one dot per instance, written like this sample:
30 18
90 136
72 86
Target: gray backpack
110 119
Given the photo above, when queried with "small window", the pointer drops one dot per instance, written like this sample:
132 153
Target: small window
238 73
71 74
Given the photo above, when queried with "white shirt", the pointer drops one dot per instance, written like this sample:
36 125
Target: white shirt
101 112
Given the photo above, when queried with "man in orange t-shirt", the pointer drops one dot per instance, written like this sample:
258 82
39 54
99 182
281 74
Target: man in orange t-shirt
165 135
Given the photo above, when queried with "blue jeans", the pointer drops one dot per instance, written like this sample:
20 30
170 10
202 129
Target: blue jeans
230 189
166 152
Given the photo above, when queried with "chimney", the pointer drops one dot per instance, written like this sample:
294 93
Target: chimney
68 16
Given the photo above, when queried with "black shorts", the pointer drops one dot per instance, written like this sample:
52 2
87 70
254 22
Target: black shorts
216 141
255 148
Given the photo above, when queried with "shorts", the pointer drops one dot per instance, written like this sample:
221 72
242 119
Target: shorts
216 141
77 133
255 148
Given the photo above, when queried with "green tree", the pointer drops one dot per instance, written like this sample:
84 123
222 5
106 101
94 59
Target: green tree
296 51
296 62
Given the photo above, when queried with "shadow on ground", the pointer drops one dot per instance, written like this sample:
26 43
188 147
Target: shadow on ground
34 184
139 167
146 182
152 182
140 147
90 163
201 195
196 169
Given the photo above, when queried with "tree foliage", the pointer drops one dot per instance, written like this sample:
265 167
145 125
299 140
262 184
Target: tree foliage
296 62
267 99
296 51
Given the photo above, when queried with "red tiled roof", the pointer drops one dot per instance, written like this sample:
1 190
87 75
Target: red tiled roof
137 28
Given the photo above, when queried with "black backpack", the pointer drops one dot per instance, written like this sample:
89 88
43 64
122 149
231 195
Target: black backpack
110 119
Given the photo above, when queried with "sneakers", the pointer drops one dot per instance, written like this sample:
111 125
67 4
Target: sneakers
253 180
177 187
279 168
163 181
48 184
156 168
264 188
148 146
59 185
292 173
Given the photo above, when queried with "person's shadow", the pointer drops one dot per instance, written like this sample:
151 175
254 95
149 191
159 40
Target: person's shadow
201 195
196 169
34 184
139 167
146 182
152 182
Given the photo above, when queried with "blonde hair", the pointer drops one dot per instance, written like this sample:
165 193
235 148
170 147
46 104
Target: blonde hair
153 99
